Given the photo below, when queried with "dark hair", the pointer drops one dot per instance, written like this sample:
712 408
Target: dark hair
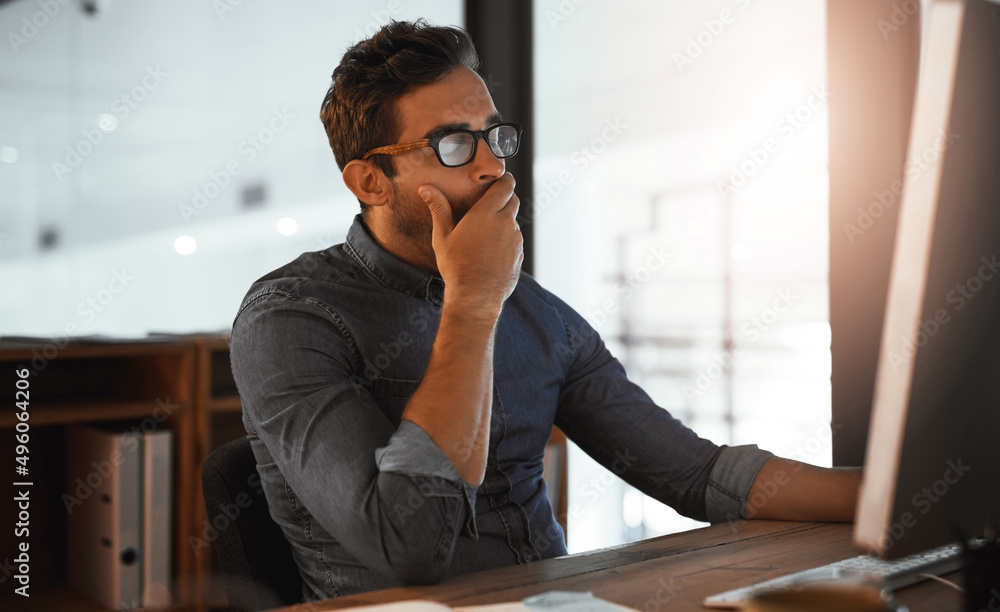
359 110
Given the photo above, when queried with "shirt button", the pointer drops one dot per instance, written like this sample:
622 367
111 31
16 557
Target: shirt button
500 499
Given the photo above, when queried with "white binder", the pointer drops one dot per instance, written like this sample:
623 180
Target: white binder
157 517
103 501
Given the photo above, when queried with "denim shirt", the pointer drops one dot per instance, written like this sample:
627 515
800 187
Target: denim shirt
326 352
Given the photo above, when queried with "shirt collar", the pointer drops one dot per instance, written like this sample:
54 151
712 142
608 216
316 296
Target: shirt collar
388 269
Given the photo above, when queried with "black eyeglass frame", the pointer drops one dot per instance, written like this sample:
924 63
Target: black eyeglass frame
434 141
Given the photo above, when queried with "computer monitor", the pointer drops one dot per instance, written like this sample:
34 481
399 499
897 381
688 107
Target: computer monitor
932 467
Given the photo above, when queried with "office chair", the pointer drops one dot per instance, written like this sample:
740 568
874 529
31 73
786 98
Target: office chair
255 557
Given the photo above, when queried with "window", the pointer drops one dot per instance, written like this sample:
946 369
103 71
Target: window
681 206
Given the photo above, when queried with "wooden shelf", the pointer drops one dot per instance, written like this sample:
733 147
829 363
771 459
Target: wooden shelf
87 412
152 384
215 394
227 404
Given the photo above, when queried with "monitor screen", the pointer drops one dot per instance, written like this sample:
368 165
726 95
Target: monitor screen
932 467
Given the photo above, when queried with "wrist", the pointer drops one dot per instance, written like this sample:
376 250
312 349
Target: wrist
471 308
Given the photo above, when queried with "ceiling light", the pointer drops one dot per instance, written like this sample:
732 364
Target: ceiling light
288 226
185 245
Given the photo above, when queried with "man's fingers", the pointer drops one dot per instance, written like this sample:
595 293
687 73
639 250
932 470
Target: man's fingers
512 206
501 191
440 208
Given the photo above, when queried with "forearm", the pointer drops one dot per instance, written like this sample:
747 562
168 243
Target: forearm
479 260
454 399
794 491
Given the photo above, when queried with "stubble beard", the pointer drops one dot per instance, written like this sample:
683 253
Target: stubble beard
411 218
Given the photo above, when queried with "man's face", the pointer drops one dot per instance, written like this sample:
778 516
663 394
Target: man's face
458 101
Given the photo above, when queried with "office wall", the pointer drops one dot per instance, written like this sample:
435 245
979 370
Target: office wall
123 130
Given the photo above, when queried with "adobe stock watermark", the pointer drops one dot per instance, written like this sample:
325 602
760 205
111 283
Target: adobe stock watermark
90 307
762 493
223 8
598 485
714 28
104 469
378 19
591 492
308 265
898 16
8 569
578 334
248 150
887 198
563 11
656 259
752 331
580 159
87 310
820 440
786 127
765 491
388 352
543 541
212 528
923 501
34 23
667 588
120 108
993 605
429 487
958 297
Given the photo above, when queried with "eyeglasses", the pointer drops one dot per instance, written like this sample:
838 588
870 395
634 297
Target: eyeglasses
456 148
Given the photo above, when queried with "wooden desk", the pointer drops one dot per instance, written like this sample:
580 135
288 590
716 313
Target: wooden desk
673 572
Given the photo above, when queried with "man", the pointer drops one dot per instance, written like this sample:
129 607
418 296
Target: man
399 388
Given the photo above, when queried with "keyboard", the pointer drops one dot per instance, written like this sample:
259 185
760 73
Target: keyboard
890 575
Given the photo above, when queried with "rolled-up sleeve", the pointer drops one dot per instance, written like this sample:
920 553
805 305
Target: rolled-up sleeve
389 495
730 480
411 452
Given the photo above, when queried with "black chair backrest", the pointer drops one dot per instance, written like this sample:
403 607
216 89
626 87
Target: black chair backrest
255 557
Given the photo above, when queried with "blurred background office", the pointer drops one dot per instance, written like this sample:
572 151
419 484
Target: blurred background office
157 157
